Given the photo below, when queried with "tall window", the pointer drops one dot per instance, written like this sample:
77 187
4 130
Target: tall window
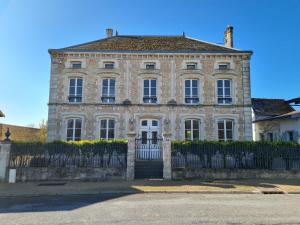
192 129
150 91
224 91
75 90
74 129
191 91
225 130
107 129
108 91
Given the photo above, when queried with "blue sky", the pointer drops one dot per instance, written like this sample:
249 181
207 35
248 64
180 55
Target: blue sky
28 28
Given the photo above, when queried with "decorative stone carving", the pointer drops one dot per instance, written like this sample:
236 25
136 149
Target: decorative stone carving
167 125
131 124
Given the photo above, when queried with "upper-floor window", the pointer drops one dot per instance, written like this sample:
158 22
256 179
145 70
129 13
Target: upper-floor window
224 91
225 130
107 129
150 66
108 91
74 129
149 91
224 66
109 65
75 90
76 65
191 91
192 129
191 66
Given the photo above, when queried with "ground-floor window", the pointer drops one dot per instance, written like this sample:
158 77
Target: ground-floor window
225 130
107 129
192 129
270 136
74 129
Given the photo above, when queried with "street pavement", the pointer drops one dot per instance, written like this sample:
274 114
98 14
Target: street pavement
155 208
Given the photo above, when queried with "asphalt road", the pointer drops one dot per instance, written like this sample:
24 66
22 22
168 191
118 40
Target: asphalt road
152 209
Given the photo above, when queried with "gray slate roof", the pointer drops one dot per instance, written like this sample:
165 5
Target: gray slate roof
270 107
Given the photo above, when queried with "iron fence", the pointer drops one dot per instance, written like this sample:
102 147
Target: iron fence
148 149
236 156
68 155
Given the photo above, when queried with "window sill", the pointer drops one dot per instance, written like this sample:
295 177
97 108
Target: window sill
224 72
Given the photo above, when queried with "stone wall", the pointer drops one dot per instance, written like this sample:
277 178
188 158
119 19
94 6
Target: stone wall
68 174
19 133
182 173
170 75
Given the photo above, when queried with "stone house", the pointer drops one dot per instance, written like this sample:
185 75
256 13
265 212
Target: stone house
276 120
148 86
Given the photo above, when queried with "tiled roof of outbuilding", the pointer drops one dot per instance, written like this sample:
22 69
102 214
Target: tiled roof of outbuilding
149 43
270 107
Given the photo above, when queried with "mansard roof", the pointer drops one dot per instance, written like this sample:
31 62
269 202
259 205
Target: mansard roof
129 43
271 107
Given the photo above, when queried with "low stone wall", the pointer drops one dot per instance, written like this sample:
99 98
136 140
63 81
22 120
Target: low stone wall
183 173
68 174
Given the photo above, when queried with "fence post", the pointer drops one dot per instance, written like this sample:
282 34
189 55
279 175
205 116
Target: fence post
130 156
166 147
4 159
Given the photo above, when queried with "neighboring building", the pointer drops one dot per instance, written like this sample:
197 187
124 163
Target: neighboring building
275 120
19 133
150 85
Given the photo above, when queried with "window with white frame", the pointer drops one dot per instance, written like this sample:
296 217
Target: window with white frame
107 129
74 129
109 65
150 91
224 66
225 130
192 129
150 66
75 89
191 66
108 90
191 91
76 65
224 91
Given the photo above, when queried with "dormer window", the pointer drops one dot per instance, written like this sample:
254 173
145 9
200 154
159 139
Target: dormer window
76 65
109 65
191 66
224 66
150 66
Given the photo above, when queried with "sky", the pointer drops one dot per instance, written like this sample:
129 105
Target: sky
28 28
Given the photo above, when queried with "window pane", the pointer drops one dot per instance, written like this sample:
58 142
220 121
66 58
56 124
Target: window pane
78 123
187 92
111 124
229 125
196 135
221 134
146 91
77 134
105 91
229 135
70 123
195 92
188 124
72 82
153 83
79 91
105 82
69 134
153 91
194 83
221 125
111 134
146 83
196 124
103 133
220 92
227 91
187 83
227 83
220 83
188 135
144 137
103 124
79 82
154 123
144 123
72 91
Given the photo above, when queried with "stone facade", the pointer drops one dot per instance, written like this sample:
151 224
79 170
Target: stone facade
170 73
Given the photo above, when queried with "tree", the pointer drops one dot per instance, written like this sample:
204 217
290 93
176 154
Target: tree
43 126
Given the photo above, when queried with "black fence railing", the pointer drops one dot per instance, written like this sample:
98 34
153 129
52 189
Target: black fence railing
148 149
236 155
68 155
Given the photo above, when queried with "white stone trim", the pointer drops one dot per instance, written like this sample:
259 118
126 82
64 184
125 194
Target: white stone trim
141 87
144 62
68 62
187 61
99 82
200 87
184 117
66 83
233 117
103 61
98 117
233 88
69 115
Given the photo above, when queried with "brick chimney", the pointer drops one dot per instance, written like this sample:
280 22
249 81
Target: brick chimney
228 37
109 32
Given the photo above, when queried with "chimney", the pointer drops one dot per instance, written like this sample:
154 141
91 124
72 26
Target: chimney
228 37
109 32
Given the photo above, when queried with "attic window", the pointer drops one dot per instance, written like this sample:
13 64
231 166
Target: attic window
224 66
109 65
191 66
150 66
76 64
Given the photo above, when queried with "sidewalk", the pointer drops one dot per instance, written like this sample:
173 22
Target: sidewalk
150 186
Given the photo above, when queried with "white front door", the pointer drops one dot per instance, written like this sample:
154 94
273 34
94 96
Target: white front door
149 146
